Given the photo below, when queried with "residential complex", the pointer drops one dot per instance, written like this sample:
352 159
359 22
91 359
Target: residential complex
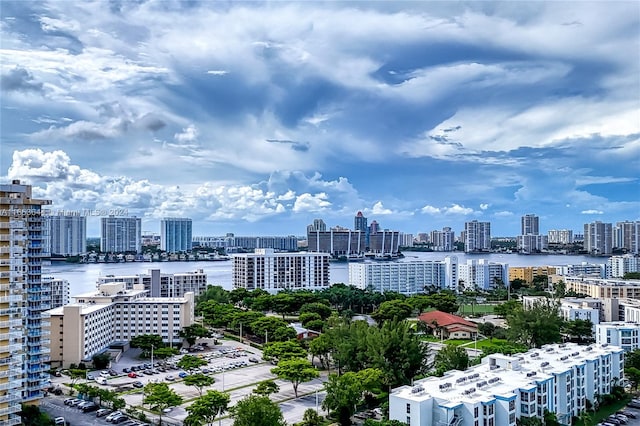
24 340
619 333
121 234
527 273
442 240
67 234
571 308
618 266
113 314
560 378
59 291
530 240
560 236
175 234
231 243
159 284
477 236
600 288
272 272
338 242
598 238
626 236
482 274
405 277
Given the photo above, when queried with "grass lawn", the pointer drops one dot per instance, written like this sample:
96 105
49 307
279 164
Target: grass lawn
476 309
608 410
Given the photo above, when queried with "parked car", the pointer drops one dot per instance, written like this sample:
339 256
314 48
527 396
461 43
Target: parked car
628 413
170 378
103 412
120 419
254 359
104 373
75 402
113 415
113 373
90 376
90 408
633 404
59 421
137 385
68 401
101 380
132 375
126 370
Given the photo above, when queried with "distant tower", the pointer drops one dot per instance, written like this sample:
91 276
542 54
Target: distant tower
317 225
530 225
360 222
374 227
477 236
175 234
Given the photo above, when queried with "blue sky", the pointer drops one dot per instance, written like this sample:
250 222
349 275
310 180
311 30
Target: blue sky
256 118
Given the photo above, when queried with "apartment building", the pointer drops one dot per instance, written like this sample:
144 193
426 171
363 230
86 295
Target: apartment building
114 314
175 234
477 236
571 308
620 265
407 278
67 234
338 242
159 284
59 291
619 333
24 344
560 236
442 240
599 287
527 273
560 378
598 238
121 234
272 272
480 273
626 236
530 241
585 269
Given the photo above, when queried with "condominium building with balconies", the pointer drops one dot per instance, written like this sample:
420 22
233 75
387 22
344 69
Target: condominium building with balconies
558 378
24 343
160 284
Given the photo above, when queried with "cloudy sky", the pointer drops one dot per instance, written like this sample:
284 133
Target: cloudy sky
256 118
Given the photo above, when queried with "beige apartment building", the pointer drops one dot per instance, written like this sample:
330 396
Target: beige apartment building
599 287
114 314
526 273
24 345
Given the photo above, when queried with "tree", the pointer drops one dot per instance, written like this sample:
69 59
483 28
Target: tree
198 381
310 418
165 352
32 416
346 391
393 310
217 314
632 359
579 329
206 408
537 326
282 334
190 362
146 342
266 327
306 317
284 303
540 282
585 419
266 388
317 308
257 410
631 276
507 308
444 301
101 361
159 396
283 350
633 375
321 347
487 329
192 332
451 357
213 292
529 421
296 371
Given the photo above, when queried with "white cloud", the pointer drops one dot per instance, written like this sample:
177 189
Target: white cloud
217 72
503 213
484 206
592 211
430 210
188 134
311 203
378 208
453 209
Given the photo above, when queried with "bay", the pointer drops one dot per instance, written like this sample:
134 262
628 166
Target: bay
82 277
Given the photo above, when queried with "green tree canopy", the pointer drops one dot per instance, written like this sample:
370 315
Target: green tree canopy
198 381
579 329
206 408
266 388
316 308
194 331
101 361
146 342
213 292
392 310
451 357
217 314
190 362
296 371
537 326
160 396
283 350
507 308
257 410
444 301
344 392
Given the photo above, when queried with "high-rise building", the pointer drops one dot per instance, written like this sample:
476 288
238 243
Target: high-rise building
560 236
374 227
626 236
337 242
59 291
598 238
67 234
24 344
621 265
175 234
477 236
482 274
273 272
121 234
317 225
530 225
442 240
160 284
360 223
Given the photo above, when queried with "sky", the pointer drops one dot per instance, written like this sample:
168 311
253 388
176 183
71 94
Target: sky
257 117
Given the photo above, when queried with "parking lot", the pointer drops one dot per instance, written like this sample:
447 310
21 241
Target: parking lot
229 364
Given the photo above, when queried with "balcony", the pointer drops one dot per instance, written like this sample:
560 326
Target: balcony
11 385
10 311
11 323
12 335
10 410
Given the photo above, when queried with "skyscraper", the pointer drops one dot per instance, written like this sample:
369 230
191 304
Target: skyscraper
442 240
598 238
530 225
175 234
626 236
24 345
360 223
121 234
317 225
530 241
477 236
68 234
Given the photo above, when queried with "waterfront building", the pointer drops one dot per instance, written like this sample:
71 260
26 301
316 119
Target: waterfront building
482 274
160 284
24 343
527 273
584 269
270 271
407 278
59 291
558 378
620 333
337 242
67 234
600 287
530 241
360 222
317 225
560 236
442 240
113 314
626 236
384 242
529 225
175 234
620 265
374 227
571 308
121 234
406 240
598 238
477 236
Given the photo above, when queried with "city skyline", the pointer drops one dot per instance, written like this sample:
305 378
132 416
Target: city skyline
257 119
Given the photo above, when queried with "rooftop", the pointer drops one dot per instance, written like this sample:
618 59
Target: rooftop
444 319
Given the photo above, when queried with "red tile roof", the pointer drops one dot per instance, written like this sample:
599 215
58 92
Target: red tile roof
444 319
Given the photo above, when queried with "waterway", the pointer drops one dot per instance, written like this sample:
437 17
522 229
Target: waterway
82 277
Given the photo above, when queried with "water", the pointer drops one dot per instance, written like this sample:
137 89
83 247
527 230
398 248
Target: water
82 277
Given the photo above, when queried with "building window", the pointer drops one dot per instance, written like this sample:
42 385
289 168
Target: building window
408 408
408 420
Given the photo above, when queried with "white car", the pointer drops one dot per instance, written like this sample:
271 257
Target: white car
59 421
105 373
